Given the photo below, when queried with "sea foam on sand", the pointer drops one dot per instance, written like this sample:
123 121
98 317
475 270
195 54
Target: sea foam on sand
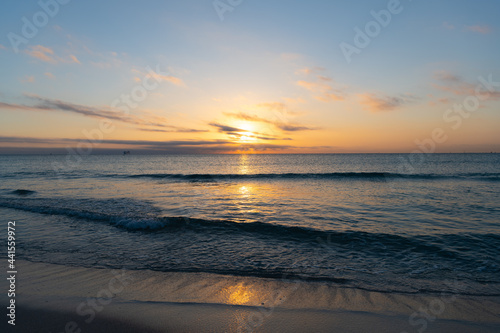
56 298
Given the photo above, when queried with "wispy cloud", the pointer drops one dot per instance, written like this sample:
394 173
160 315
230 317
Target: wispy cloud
481 29
74 59
274 106
454 84
47 104
41 53
284 126
49 75
158 76
175 146
2 47
310 70
448 26
28 79
47 54
173 129
322 91
105 60
381 103
322 87
446 76
239 132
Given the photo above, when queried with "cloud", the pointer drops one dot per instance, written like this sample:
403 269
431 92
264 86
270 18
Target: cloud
448 26
49 75
41 53
46 54
295 128
2 47
284 126
445 76
274 106
439 101
151 144
452 83
457 86
227 129
47 104
106 60
239 132
481 29
74 59
322 87
376 103
322 91
173 129
28 79
310 70
169 78
159 76
177 146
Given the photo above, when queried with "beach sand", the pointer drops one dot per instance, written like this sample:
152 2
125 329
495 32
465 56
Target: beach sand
56 298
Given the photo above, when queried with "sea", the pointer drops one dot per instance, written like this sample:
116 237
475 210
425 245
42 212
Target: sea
406 223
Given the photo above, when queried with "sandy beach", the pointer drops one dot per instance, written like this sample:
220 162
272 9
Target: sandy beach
56 298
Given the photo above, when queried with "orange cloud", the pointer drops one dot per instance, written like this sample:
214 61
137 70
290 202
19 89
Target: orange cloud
28 79
448 26
481 29
279 124
274 106
377 104
323 91
310 70
457 86
74 59
42 53
46 54
161 77
446 76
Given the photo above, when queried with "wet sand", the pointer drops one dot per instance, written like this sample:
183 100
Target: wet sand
56 298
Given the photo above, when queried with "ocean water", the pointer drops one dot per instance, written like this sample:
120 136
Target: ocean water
383 222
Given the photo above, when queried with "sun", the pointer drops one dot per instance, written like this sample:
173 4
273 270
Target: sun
248 132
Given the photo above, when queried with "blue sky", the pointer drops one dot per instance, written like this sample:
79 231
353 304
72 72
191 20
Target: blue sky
270 77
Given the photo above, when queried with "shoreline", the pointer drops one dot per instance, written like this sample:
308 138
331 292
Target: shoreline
51 296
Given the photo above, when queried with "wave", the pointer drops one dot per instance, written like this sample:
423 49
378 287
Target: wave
441 245
333 175
23 192
373 176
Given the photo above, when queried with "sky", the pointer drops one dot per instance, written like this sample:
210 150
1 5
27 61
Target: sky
241 76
